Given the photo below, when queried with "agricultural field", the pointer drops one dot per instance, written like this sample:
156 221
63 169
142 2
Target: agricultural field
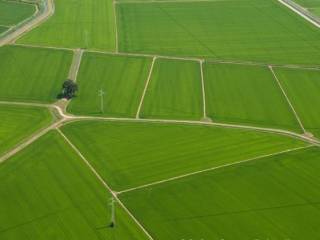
18 122
156 151
14 12
49 193
174 91
32 74
303 88
77 24
122 78
219 30
159 120
237 202
248 95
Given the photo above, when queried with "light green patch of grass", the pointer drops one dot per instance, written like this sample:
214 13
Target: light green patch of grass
132 154
19 122
219 30
12 13
77 24
303 87
274 198
174 91
247 95
121 78
32 74
47 192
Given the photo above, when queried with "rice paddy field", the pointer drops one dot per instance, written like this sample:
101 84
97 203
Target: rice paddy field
13 12
193 120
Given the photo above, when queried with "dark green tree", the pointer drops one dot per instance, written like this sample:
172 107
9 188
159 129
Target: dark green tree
69 89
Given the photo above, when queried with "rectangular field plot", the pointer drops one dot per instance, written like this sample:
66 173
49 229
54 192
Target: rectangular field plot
47 193
32 74
11 13
247 95
220 30
303 88
274 198
121 78
174 91
19 122
132 154
77 24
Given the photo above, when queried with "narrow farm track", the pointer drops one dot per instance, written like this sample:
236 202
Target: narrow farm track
11 37
75 65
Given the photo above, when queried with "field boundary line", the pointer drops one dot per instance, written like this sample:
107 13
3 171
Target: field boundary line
116 25
212 169
287 98
29 140
165 1
145 88
26 104
195 59
296 8
93 170
203 91
75 65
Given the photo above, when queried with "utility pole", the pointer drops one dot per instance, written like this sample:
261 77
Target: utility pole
113 219
101 94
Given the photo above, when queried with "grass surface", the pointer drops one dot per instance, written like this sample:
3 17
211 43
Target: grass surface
312 5
11 13
47 192
77 24
248 95
274 198
3 29
220 30
121 78
174 91
32 74
132 154
303 87
19 122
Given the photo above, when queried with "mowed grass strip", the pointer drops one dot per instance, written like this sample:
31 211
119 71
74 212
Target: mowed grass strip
32 74
122 79
132 154
47 192
303 87
247 95
11 13
174 91
219 30
19 122
77 24
274 198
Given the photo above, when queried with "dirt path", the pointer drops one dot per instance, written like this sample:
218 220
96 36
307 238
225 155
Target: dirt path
301 11
145 87
11 37
203 91
76 61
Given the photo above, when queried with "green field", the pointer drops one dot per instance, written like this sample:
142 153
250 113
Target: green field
77 24
121 78
131 154
220 30
174 91
19 122
248 95
303 87
47 192
3 29
32 74
11 13
274 198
